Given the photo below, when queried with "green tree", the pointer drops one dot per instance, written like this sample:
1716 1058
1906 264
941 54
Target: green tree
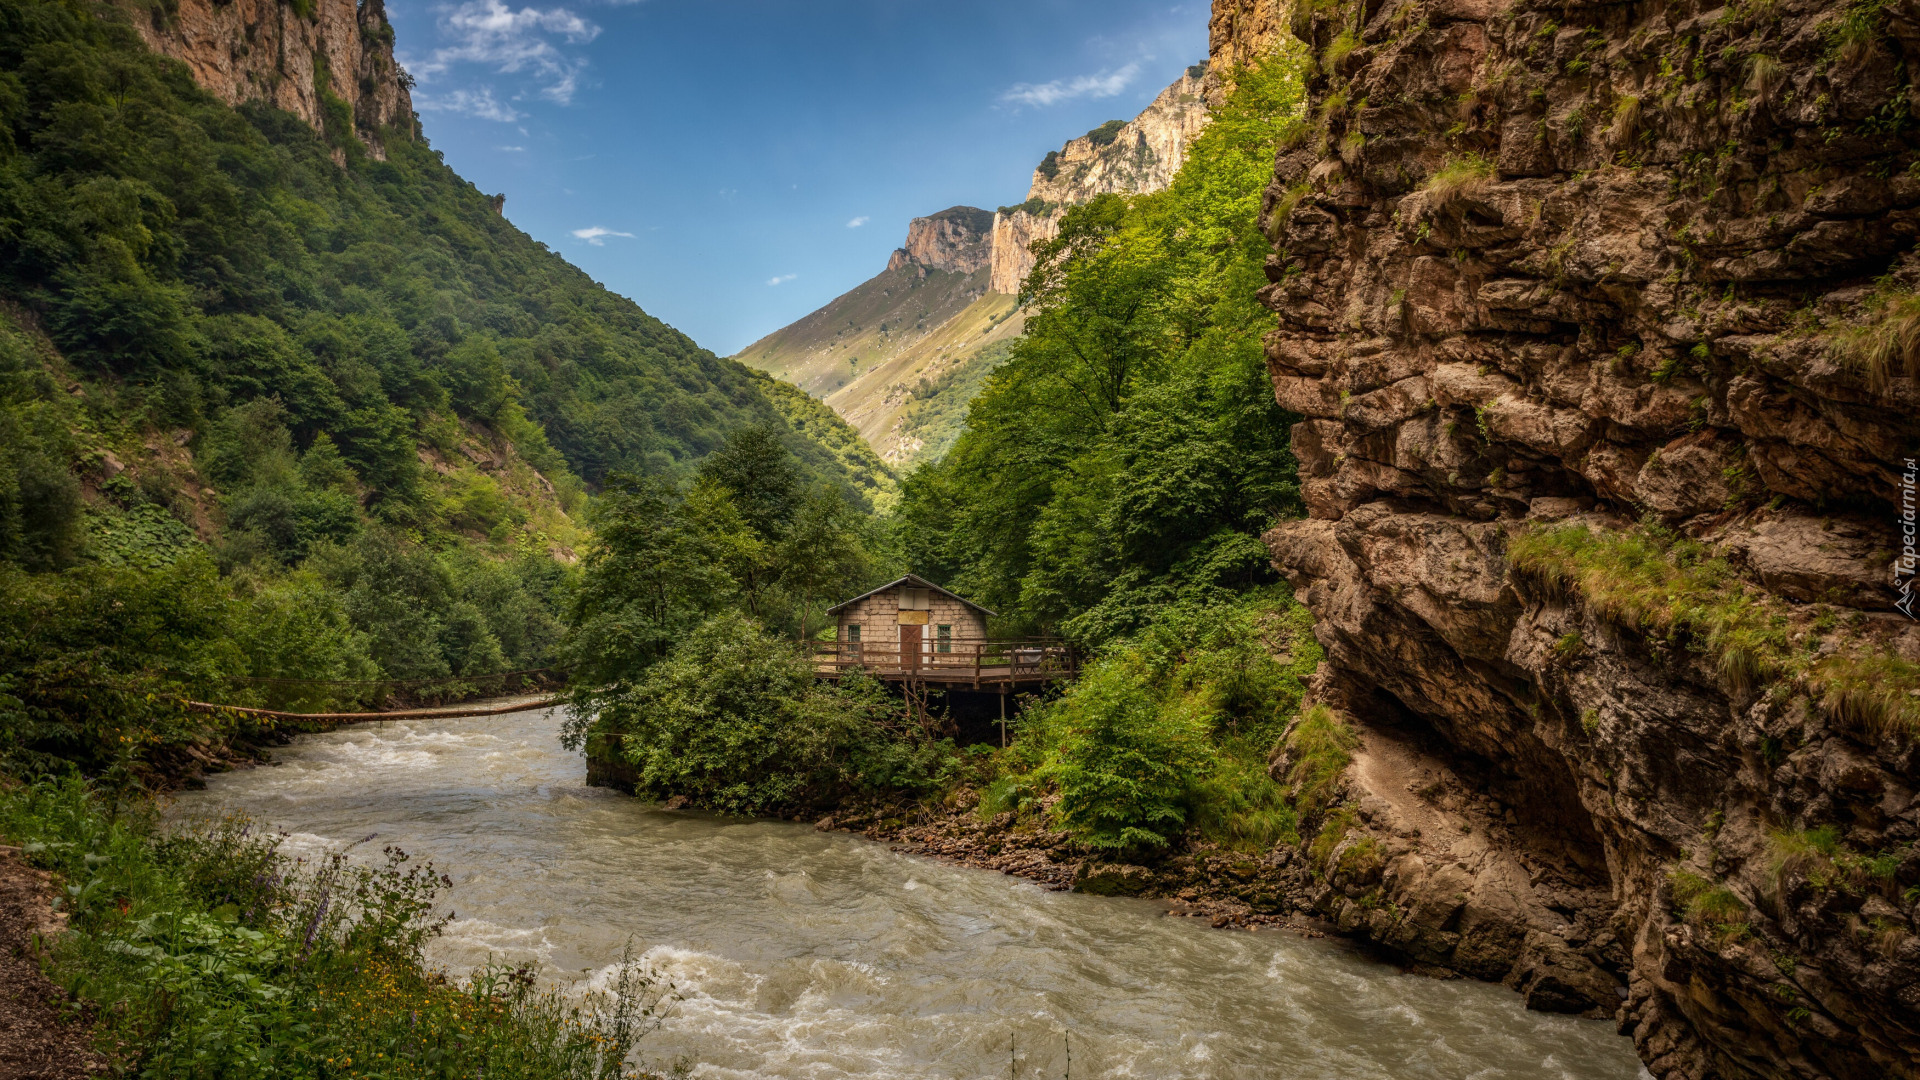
735 720
825 554
758 473
650 577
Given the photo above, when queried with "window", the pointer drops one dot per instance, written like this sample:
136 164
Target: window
853 631
913 599
943 638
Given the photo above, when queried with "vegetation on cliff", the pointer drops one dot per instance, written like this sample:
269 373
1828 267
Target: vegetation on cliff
1170 731
1651 581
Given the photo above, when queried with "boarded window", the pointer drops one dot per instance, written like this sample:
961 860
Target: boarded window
913 599
943 638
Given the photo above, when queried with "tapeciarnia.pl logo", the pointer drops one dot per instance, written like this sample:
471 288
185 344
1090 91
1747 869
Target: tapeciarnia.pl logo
1905 566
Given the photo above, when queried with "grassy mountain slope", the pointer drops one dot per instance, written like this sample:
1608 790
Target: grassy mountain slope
839 349
868 350
910 407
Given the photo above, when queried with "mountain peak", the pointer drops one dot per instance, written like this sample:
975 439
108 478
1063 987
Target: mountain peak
958 239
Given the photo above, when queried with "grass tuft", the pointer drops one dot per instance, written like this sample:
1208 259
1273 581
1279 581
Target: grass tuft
1319 751
1709 905
1764 75
1626 120
1458 178
1337 50
1888 347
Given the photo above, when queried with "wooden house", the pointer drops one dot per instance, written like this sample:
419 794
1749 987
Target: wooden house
912 619
914 632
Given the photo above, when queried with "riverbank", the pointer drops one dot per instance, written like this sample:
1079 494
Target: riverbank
1200 880
1407 859
199 948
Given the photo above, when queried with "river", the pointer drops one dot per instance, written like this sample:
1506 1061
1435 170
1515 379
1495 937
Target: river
822 955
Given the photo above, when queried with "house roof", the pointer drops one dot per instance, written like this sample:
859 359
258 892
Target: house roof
916 581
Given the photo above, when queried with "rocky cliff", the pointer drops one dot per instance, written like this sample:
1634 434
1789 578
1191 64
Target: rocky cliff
1603 322
1242 33
1140 155
325 61
958 239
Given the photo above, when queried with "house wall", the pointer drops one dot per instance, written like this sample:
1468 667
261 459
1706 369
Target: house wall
879 619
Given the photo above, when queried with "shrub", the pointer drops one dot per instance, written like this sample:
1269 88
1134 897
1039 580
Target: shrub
734 720
1168 731
205 953
1125 769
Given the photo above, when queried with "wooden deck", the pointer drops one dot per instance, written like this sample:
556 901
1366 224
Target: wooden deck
975 665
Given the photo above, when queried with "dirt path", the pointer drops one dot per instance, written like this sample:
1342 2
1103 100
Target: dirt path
37 1042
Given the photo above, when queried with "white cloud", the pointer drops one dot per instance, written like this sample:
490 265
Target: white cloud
782 278
478 103
1104 85
859 221
597 234
489 33
512 149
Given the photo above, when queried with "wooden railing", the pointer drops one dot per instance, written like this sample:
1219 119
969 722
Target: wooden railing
981 661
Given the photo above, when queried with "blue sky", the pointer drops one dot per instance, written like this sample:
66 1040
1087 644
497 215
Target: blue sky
732 165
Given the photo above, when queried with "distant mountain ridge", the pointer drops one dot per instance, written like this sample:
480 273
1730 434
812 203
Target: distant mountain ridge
1140 155
900 355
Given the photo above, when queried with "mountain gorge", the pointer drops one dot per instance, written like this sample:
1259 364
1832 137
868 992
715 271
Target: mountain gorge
1473 440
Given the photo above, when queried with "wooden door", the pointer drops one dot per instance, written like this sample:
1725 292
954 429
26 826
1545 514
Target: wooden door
910 646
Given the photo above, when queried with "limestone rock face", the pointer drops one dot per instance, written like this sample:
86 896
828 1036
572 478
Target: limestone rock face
1141 156
265 50
1612 265
958 239
1242 33
1013 232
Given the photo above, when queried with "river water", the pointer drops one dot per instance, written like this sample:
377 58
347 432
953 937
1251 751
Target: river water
822 955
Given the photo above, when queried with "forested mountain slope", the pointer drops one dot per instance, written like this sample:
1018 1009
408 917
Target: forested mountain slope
248 367
166 239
